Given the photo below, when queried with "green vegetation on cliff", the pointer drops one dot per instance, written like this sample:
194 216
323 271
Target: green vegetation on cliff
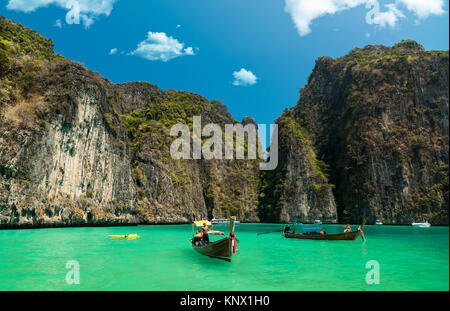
367 139
298 188
19 39
76 149
378 118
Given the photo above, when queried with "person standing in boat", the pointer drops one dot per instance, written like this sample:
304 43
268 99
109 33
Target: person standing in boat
205 231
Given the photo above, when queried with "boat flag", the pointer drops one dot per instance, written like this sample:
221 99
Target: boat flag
233 243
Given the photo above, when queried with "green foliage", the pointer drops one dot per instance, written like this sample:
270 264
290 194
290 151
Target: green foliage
345 216
319 166
417 143
28 41
390 58
4 56
30 79
291 126
441 54
8 172
177 107
140 178
179 175
66 127
275 192
427 201
159 115
441 175
110 123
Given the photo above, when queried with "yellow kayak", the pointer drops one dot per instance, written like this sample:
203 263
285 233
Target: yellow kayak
123 236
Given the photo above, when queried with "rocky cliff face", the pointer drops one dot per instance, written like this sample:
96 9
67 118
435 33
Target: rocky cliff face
298 189
378 120
76 149
367 139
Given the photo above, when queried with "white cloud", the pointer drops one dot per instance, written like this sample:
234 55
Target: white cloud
158 46
304 12
189 51
85 11
113 51
58 23
178 26
389 17
424 8
244 77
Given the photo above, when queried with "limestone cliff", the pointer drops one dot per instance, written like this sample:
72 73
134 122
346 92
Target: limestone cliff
368 138
298 189
378 120
76 149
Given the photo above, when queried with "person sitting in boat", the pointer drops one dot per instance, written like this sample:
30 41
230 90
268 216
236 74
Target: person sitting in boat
197 240
204 231
348 228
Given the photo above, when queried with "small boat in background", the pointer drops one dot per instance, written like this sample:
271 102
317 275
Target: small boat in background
219 221
216 221
421 224
317 222
379 222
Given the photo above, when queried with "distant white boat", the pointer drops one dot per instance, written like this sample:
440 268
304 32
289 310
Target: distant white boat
421 224
379 222
318 222
221 221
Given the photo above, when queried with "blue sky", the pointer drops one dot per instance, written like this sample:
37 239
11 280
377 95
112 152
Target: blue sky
276 42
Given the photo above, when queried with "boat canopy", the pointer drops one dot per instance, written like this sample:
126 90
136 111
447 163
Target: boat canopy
301 227
304 226
199 223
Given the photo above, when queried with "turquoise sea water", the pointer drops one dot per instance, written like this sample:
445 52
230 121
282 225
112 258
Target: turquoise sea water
162 259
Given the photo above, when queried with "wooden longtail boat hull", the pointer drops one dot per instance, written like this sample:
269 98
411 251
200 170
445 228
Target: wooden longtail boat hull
345 236
221 249
350 236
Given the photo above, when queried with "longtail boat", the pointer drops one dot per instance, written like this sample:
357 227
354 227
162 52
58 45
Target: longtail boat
222 249
299 231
